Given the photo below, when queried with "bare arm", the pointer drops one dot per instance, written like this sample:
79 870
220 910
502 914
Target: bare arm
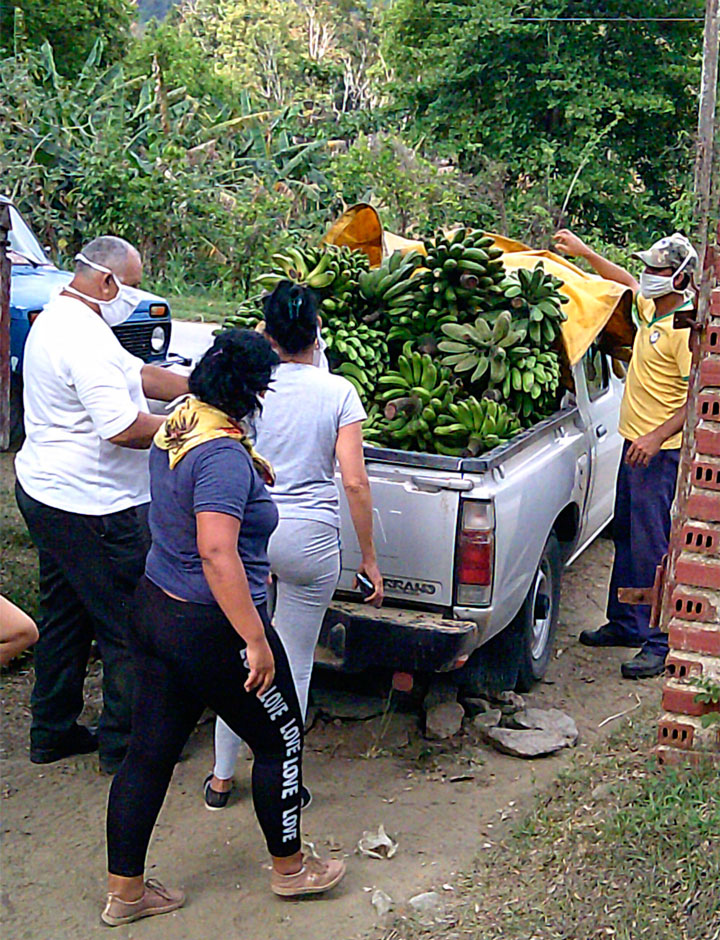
140 433
162 384
217 539
569 244
357 489
17 631
641 451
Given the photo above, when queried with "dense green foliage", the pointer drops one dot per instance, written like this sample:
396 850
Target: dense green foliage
212 136
73 27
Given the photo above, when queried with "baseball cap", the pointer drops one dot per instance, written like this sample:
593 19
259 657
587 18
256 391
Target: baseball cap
672 251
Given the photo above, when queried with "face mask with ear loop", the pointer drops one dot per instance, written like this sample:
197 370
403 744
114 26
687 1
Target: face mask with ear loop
658 285
122 305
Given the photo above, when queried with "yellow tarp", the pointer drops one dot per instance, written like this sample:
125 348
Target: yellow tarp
595 306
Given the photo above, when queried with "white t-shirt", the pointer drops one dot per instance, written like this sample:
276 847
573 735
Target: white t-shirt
81 388
303 411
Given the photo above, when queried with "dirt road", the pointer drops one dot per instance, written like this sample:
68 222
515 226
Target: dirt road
53 817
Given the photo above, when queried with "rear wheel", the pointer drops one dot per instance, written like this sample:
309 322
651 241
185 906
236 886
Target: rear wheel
536 622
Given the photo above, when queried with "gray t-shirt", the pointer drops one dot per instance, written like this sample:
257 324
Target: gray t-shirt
297 432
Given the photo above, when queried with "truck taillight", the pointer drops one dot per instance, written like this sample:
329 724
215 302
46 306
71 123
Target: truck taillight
475 554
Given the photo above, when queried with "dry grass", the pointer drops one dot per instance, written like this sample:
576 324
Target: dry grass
618 849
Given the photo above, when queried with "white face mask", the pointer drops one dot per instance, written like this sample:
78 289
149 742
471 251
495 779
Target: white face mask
122 305
658 285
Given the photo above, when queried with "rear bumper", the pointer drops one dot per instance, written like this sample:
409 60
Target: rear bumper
356 637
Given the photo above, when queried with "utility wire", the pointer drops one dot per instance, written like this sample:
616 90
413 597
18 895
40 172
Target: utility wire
607 19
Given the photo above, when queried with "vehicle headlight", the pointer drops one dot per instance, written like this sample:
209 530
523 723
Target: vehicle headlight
157 339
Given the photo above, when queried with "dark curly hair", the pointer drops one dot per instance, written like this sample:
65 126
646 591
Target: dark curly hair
233 372
291 316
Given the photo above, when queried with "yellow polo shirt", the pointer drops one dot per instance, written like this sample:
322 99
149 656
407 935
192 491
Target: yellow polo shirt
657 380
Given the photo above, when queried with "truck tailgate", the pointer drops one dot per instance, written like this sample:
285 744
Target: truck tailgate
415 517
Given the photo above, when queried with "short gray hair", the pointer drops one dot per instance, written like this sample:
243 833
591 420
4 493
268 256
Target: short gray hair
108 250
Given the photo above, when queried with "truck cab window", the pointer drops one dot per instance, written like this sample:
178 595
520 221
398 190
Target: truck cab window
597 373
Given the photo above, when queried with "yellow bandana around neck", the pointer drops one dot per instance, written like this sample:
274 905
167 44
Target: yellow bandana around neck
194 422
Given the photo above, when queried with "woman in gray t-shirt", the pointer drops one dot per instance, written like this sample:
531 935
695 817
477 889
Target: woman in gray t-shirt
310 419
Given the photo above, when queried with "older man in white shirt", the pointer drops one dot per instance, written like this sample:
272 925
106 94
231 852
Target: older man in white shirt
83 489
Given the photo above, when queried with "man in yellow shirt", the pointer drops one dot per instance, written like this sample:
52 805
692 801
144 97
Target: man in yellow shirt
652 416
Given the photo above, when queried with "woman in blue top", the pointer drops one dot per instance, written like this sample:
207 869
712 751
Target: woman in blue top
202 636
311 421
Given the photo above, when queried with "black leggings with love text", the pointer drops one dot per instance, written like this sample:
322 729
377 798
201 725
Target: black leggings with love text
188 656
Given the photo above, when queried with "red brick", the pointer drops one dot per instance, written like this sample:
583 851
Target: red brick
710 371
700 539
695 639
715 296
698 573
707 442
681 700
704 507
692 606
688 733
674 733
682 667
672 756
711 340
709 404
706 474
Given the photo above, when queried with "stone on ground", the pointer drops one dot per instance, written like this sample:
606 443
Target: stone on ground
444 720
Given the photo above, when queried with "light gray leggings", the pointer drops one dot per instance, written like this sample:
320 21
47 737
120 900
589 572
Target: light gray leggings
305 560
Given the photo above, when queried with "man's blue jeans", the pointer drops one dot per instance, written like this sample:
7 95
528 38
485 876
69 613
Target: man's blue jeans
641 530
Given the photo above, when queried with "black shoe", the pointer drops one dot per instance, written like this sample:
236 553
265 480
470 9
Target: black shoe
644 666
78 740
305 797
607 635
214 799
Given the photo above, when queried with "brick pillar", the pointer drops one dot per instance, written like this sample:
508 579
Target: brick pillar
691 612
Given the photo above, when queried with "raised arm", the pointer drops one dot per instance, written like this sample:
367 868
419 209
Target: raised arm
357 488
569 244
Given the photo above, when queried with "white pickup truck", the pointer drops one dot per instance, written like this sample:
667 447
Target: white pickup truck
472 549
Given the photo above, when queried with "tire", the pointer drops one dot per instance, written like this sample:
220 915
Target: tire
536 622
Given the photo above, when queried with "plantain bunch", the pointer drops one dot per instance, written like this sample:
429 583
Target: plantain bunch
535 301
358 352
415 395
485 352
474 426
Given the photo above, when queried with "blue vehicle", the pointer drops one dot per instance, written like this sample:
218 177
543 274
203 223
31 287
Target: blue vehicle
33 282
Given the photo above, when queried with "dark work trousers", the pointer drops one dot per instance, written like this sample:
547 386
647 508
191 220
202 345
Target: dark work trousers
641 530
188 656
89 568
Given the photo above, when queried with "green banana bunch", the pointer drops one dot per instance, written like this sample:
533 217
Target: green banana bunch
481 349
357 352
391 289
248 314
327 270
464 271
532 383
472 427
536 303
416 395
